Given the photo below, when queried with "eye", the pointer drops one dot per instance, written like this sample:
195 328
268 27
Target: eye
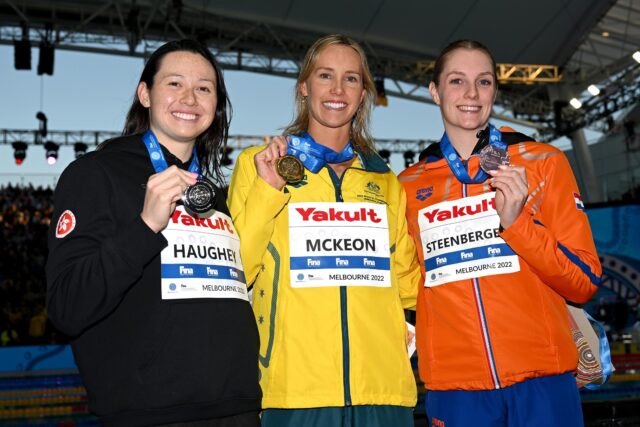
205 89
455 81
485 82
352 79
173 83
324 75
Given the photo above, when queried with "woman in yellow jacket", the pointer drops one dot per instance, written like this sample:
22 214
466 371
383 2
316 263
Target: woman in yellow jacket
328 255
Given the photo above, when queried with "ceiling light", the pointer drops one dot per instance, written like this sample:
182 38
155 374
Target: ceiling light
593 90
51 149
575 103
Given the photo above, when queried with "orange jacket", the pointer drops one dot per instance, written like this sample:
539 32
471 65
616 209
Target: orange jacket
497 330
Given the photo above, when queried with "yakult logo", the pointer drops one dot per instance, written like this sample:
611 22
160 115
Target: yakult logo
332 214
460 211
179 217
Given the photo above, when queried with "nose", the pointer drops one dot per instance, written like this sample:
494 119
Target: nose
188 97
472 92
337 87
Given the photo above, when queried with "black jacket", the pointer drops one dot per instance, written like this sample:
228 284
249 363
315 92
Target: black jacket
143 360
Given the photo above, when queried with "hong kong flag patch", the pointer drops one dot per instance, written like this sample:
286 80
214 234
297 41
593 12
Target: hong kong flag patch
66 224
578 200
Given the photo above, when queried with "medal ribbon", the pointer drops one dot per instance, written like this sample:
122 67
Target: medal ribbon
456 166
313 155
157 157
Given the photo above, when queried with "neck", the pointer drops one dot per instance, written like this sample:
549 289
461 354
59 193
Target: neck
463 140
180 149
334 138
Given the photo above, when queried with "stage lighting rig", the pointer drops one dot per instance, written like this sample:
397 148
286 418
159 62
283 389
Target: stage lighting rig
51 152
80 149
385 154
408 158
19 151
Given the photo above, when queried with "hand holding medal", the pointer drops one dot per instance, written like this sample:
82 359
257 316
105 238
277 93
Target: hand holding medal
512 191
267 161
162 191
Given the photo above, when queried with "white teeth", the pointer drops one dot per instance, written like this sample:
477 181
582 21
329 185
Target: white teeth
185 116
469 108
334 105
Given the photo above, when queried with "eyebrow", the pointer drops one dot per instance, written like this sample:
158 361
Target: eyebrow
180 75
331 69
463 74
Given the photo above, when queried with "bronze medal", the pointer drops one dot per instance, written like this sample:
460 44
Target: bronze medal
290 168
491 157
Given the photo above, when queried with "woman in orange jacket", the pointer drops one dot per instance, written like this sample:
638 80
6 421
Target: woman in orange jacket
504 242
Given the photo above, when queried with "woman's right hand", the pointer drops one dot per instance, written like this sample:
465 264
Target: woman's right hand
163 190
267 159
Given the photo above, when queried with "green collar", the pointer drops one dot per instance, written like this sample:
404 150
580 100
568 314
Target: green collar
372 162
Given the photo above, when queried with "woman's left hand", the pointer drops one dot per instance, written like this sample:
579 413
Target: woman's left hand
512 191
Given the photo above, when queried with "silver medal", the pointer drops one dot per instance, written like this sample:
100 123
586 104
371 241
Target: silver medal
199 198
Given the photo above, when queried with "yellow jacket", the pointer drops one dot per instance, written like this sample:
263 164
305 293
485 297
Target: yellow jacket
326 346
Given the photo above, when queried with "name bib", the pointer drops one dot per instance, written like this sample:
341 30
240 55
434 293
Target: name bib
202 259
339 244
460 240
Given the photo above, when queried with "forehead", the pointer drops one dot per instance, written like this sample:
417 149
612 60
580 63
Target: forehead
187 64
468 60
339 56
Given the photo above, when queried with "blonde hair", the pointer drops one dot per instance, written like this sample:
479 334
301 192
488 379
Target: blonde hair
360 134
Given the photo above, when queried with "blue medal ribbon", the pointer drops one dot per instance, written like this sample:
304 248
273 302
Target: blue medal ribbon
456 166
314 155
605 353
157 157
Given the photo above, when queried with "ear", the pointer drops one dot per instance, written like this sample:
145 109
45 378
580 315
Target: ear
302 87
362 96
143 95
433 90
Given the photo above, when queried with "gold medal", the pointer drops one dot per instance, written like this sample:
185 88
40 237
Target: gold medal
290 168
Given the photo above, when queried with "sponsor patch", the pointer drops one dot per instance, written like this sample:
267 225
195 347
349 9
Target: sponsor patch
423 193
66 224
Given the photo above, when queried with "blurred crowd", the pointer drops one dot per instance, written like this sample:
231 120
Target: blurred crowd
25 215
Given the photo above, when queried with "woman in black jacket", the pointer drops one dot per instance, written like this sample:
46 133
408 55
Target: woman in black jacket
144 270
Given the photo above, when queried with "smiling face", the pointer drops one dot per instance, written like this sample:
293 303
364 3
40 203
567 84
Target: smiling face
334 89
182 101
466 91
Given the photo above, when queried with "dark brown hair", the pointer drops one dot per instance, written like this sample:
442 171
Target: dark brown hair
211 144
441 60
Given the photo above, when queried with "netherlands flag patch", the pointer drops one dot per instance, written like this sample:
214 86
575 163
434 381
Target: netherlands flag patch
578 200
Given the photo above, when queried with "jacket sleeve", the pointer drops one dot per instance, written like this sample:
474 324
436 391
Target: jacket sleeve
90 269
254 206
556 240
406 259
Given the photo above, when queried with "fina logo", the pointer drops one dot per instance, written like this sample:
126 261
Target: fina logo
172 286
295 141
303 157
155 156
452 156
433 276
300 276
